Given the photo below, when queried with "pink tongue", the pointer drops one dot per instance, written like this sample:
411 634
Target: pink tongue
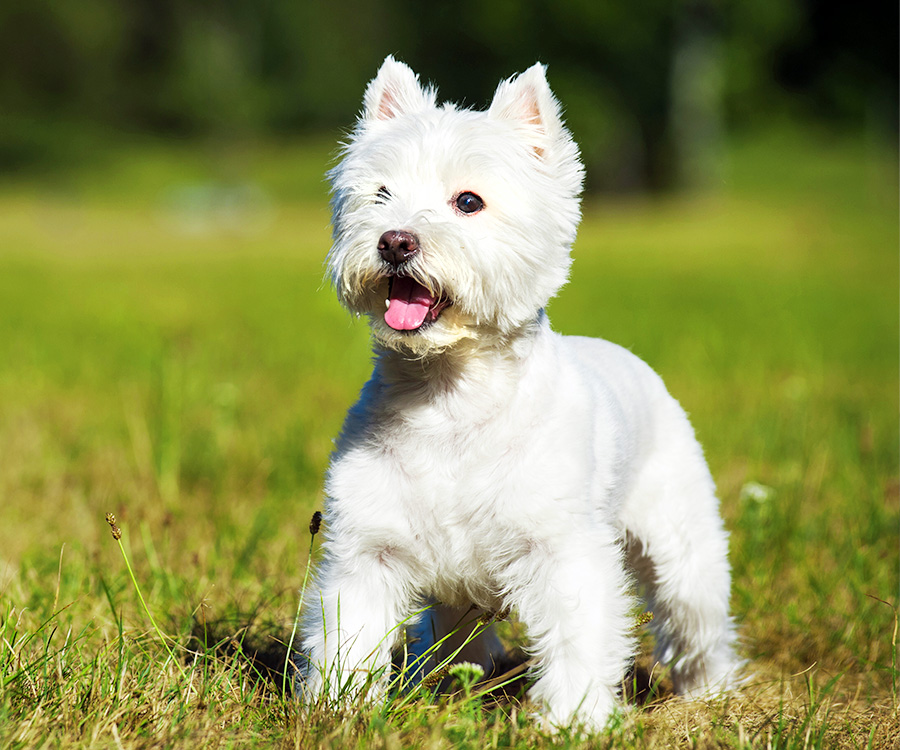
410 302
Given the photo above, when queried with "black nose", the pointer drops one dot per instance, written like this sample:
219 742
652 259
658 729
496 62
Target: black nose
397 246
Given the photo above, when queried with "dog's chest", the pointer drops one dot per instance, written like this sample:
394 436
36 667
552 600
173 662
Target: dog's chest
456 488
465 489
460 471
463 492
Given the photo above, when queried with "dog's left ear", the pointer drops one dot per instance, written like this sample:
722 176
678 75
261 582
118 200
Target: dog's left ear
528 102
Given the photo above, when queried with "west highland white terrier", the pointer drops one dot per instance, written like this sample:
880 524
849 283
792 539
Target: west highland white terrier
490 463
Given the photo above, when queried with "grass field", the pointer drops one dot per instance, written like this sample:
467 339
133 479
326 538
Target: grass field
170 353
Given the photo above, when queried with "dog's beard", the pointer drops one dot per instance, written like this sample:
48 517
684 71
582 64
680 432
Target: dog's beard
410 314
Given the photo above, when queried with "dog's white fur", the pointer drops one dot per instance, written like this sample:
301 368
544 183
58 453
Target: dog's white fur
490 461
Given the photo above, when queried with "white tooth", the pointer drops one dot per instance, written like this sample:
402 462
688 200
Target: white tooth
387 304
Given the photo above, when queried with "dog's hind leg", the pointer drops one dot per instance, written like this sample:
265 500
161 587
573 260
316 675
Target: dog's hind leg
678 548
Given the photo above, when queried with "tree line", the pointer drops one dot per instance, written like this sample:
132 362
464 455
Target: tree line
648 87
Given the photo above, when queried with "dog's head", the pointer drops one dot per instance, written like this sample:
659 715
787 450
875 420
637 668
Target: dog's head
452 224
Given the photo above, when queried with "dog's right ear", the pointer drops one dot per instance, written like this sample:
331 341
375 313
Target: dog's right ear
395 91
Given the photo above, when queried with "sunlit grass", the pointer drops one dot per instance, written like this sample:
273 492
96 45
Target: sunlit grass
170 353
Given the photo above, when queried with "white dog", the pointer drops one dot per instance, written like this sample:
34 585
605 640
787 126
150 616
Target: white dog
489 461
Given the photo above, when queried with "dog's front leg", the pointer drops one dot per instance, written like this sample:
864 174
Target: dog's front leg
571 595
352 620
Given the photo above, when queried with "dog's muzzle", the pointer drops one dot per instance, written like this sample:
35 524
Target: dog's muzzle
410 305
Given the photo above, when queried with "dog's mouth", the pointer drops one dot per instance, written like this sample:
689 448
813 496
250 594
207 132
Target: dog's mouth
410 305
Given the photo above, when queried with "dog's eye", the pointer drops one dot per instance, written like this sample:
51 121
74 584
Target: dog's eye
382 195
469 203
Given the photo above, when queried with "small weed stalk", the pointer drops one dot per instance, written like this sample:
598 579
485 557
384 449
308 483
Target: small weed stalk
117 535
895 667
895 703
315 523
466 676
894 673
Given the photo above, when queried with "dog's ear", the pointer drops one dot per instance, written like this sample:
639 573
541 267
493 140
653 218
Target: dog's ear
395 91
527 101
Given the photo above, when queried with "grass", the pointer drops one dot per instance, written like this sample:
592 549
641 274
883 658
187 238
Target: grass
170 354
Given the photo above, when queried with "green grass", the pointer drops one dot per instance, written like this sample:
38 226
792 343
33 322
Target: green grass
163 361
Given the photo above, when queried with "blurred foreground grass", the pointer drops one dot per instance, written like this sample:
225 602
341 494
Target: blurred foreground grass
170 352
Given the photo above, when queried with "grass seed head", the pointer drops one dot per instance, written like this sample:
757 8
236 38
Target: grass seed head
643 619
488 617
114 530
433 678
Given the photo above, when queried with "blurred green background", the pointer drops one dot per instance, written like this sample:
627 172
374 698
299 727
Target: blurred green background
650 90
170 352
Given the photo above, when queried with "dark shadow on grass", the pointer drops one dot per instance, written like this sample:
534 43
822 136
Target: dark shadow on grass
645 689
263 649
